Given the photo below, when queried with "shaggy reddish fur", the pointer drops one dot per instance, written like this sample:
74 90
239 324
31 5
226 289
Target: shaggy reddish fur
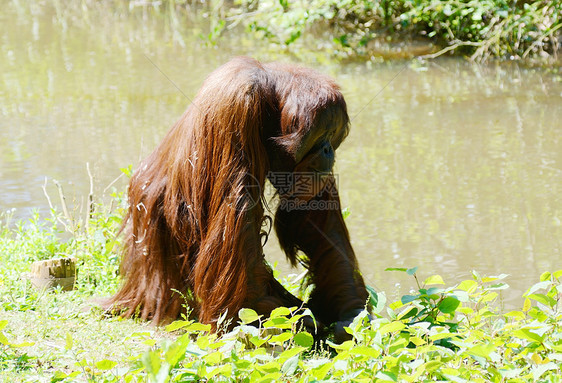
194 226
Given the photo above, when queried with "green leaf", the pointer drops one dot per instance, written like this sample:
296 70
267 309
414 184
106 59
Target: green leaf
434 280
373 296
408 298
468 285
3 324
482 350
3 339
528 335
410 313
321 371
151 361
538 286
448 305
176 351
391 327
544 299
281 338
304 339
412 271
289 353
248 316
539 370
290 365
196 326
365 351
105 364
68 342
177 325
280 311
545 276
395 269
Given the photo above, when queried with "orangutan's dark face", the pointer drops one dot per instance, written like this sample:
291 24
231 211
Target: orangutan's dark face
311 150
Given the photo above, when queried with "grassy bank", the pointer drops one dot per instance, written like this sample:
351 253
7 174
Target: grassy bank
479 29
505 29
438 332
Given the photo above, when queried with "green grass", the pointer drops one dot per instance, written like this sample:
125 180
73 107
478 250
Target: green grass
439 333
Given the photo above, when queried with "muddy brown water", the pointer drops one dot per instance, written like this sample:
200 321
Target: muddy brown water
450 166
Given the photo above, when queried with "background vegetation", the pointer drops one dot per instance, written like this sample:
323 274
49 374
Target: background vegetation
506 29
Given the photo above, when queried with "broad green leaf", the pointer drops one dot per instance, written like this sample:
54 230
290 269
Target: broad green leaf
289 353
304 339
488 297
468 285
557 274
448 305
149 342
347 345
441 335
272 377
321 371
176 325
213 358
539 370
3 324
528 335
196 326
538 286
151 361
280 311
248 316
176 351
544 299
224 371
434 280
279 323
482 350
518 315
432 365
412 271
408 298
450 371
386 376
434 290
257 341
105 364
391 327
373 296
290 365
203 341
545 276
410 313
365 351
281 338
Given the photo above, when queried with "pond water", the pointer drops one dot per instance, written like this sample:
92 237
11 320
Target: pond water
450 166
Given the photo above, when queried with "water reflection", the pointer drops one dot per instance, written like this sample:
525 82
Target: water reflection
451 167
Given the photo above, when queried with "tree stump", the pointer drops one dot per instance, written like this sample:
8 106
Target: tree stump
53 273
